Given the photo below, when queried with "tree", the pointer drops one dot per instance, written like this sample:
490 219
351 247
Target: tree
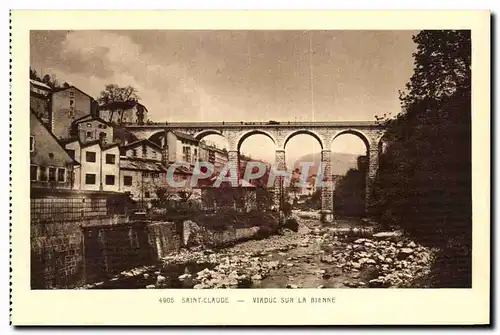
424 179
113 94
50 80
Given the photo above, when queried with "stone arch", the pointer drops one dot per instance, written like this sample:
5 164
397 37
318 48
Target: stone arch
205 132
358 133
312 133
247 134
157 138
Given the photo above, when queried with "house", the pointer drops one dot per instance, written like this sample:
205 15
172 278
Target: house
40 100
124 112
182 147
216 156
67 105
141 169
50 165
90 128
99 168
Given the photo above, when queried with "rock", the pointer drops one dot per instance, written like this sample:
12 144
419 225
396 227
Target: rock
356 265
387 234
150 286
361 283
404 253
360 240
157 273
411 245
184 276
160 279
350 284
256 277
388 260
146 275
291 286
199 286
377 283
321 286
355 275
290 264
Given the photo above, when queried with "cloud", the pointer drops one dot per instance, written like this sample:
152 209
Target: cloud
91 59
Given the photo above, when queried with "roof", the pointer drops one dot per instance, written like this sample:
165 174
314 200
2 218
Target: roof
123 134
76 88
103 146
141 142
40 84
90 117
129 163
33 114
121 105
185 136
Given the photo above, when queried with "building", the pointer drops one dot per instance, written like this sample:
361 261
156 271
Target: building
50 165
67 105
141 169
90 128
99 168
182 148
40 100
216 156
125 112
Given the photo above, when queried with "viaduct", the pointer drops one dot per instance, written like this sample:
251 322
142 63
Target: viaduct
280 133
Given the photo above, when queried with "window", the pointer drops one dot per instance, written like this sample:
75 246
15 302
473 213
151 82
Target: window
154 154
43 173
61 175
71 102
52 173
71 94
32 143
102 137
110 179
71 153
127 180
145 174
90 156
89 125
110 159
71 111
89 134
99 126
146 194
144 151
155 175
134 153
90 178
186 154
34 172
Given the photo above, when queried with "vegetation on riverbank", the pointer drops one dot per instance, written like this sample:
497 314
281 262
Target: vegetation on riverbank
424 180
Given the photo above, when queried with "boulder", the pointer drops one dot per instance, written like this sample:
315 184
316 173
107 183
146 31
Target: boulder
404 253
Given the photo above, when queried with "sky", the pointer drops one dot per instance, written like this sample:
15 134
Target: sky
228 75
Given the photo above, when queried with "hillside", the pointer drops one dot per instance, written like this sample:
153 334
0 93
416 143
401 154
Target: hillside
341 162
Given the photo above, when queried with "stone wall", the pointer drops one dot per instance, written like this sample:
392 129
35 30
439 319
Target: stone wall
164 238
59 219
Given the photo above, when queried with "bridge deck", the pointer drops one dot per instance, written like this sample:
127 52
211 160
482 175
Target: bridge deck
285 124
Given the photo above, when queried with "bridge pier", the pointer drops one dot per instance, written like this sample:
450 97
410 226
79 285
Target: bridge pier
280 164
371 173
326 187
233 162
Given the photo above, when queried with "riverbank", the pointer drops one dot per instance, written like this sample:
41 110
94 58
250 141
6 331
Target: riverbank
346 255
